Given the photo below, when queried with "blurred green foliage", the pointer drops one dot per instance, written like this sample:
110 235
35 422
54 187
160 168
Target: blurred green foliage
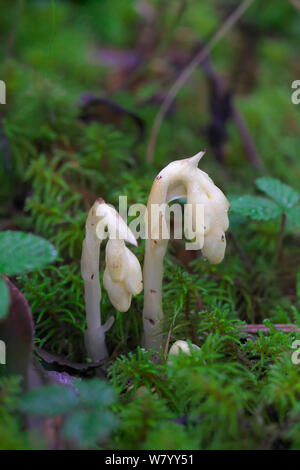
11 435
86 409
240 391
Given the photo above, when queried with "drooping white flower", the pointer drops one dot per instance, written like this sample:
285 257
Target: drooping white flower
122 276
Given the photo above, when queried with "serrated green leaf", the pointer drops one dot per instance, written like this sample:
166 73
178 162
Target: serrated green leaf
257 208
283 194
21 252
293 214
4 299
49 401
89 427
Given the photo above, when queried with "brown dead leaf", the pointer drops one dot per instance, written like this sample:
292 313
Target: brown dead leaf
17 331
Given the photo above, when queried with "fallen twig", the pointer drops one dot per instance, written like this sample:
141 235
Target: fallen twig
168 342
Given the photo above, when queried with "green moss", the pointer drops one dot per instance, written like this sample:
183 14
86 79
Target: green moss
240 391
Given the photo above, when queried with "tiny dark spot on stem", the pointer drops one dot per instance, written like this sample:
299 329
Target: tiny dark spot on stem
222 238
92 276
153 291
159 177
150 321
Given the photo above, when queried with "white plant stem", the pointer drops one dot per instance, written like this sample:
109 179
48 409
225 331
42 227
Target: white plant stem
153 279
90 266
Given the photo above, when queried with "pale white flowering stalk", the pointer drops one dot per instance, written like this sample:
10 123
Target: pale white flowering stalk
181 178
122 276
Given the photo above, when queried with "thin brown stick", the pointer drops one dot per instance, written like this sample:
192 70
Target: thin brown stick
187 72
168 342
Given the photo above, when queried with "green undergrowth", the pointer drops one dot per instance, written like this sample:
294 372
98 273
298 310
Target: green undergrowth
241 390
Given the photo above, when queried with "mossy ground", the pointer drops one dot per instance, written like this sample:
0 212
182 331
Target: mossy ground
241 391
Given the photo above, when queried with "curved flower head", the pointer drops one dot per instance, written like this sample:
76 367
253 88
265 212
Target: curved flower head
216 220
182 178
122 275
110 223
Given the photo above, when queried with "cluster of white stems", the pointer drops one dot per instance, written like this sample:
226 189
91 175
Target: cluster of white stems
122 275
